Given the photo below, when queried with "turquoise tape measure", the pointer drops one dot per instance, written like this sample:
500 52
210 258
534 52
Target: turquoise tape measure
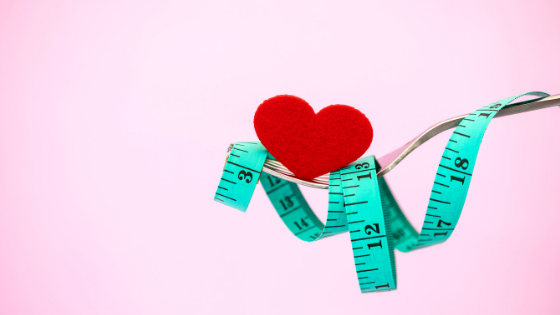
362 204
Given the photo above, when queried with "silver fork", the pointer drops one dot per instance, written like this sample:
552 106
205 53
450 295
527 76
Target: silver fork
389 161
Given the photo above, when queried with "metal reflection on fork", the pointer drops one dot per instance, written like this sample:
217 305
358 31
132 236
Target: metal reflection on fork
390 160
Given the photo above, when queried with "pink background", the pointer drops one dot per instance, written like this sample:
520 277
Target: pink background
115 117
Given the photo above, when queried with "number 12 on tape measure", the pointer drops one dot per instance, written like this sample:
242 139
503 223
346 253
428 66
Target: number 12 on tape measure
369 234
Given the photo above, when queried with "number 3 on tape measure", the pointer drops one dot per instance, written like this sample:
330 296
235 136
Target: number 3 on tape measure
241 174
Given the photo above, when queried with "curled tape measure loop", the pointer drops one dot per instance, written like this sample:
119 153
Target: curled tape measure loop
362 204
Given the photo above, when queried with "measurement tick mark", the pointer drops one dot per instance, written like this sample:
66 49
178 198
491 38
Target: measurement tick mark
294 209
250 169
356 203
356 222
229 181
276 188
461 134
452 169
366 170
367 238
226 197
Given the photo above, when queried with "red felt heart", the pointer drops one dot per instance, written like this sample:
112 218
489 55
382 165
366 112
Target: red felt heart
310 144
